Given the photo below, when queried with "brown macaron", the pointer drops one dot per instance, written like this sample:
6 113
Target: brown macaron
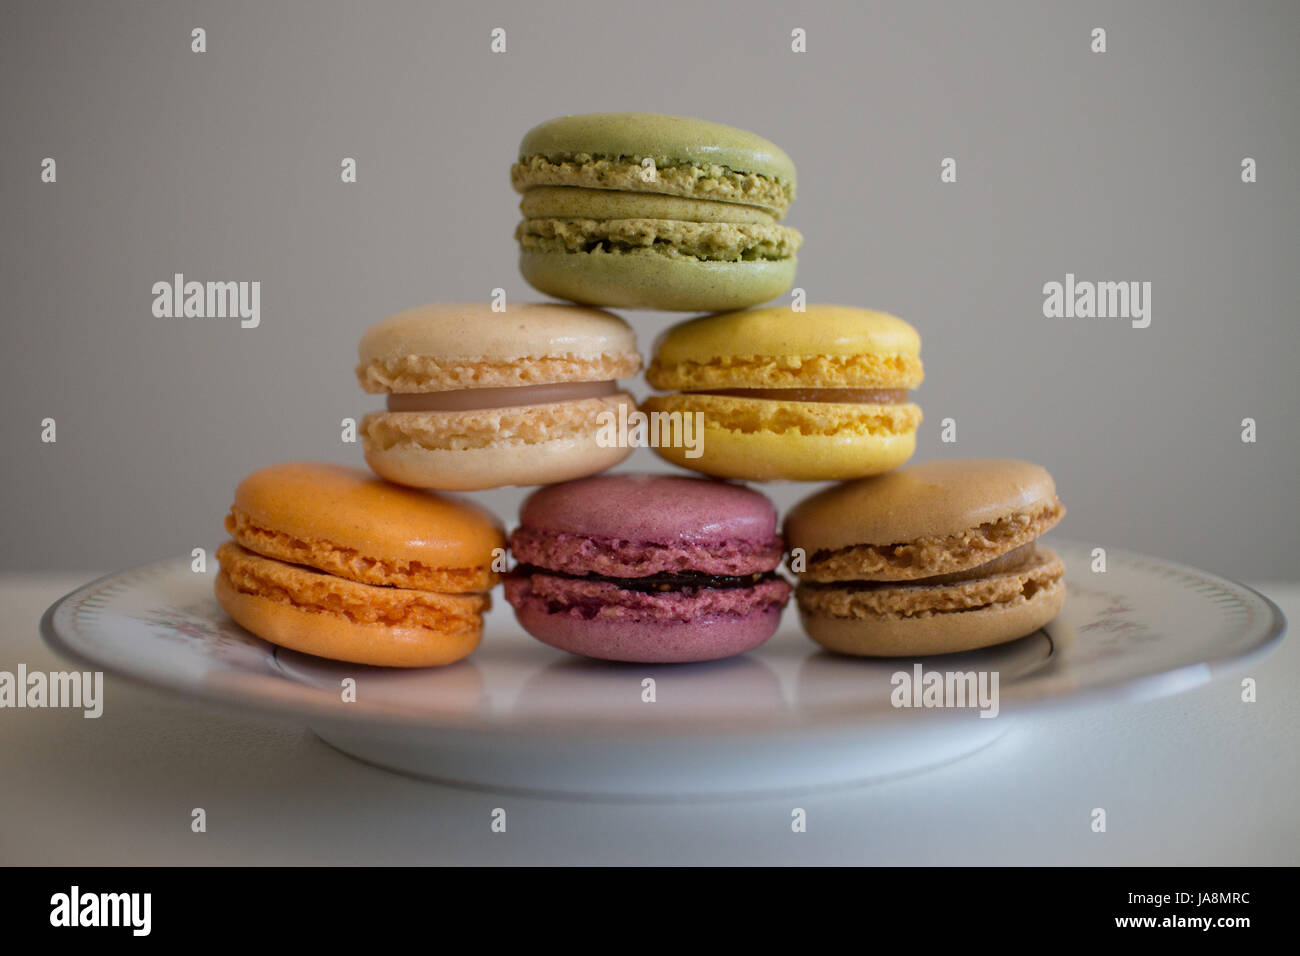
936 558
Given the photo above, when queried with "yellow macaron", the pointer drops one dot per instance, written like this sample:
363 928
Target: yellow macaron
481 399
819 395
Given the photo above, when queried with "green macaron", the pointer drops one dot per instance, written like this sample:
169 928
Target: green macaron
646 211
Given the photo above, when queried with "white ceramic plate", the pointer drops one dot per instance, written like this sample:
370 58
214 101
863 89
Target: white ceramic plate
788 716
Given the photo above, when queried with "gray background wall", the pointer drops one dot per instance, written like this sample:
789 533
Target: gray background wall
225 166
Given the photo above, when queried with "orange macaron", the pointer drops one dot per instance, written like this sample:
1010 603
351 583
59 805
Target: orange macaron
332 561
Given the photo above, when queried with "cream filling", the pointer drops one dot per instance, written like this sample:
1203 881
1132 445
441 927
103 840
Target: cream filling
474 399
1013 560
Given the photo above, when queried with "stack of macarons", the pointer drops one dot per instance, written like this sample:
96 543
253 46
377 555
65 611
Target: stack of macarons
642 211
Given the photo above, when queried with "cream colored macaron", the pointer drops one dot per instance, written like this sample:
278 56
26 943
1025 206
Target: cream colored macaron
482 399
933 559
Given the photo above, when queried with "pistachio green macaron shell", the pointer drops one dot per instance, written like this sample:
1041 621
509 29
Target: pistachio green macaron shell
654 281
668 140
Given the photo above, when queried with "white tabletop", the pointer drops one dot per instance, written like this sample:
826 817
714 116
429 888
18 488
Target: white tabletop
1200 778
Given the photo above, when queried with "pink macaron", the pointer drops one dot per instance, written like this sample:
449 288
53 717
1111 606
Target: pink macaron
648 568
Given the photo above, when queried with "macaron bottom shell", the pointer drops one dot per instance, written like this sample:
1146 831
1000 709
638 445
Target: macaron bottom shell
600 619
475 469
867 634
733 446
335 637
535 445
651 280
648 641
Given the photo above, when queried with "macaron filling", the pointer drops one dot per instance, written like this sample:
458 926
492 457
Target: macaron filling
666 581
316 591
473 399
568 202
1013 560
627 174
934 556
1041 571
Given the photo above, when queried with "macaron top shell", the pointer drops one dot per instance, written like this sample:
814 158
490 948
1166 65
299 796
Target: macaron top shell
349 509
658 509
467 345
932 499
668 140
832 346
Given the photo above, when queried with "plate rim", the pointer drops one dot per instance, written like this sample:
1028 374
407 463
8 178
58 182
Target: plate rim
1015 701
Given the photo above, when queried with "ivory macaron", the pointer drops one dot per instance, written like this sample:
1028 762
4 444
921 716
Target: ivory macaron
647 211
931 559
332 561
481 399
819 395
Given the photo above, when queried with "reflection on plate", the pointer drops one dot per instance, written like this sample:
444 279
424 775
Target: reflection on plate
787 716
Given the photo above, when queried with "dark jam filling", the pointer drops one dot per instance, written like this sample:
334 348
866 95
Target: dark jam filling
659 583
